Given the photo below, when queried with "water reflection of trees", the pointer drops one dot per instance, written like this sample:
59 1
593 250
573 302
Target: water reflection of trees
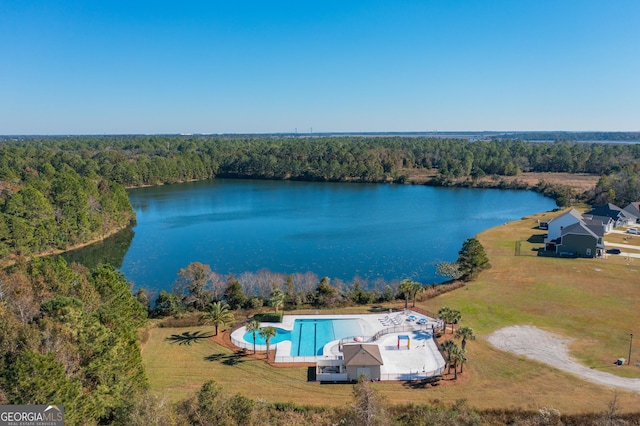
110 251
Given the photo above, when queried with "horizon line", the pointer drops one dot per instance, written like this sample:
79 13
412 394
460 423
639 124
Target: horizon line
325 133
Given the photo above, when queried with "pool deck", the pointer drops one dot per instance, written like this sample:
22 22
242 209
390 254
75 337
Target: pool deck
422 359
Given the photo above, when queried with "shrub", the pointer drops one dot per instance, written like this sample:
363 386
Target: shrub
268 317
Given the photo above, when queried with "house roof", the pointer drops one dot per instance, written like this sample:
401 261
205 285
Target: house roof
602 220
597 223
633 208
597 229
610 210
573 212
578 229
362 354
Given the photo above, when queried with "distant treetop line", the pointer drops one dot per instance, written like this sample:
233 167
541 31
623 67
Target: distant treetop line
65 190
548 136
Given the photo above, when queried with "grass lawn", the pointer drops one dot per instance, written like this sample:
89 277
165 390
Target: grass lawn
179 370
592 301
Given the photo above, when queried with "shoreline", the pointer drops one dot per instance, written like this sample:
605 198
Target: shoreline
13 258
578 183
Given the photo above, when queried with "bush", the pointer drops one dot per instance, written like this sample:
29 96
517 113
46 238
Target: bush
269 317
183 321
255 302
288 406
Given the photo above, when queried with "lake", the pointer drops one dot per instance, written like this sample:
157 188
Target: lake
339 230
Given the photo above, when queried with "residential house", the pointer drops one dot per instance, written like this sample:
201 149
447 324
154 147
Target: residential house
605 222
581 240
633 209
620 216
555 226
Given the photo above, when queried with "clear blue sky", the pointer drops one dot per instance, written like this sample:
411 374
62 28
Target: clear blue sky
94 67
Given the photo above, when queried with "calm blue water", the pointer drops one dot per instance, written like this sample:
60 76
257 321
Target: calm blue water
309 336
337 230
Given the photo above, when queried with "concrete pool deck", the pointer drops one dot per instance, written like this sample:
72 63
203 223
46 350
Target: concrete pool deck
422 359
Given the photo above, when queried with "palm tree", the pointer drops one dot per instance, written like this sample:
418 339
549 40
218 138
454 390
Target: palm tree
277 298
252 327
455 317
415 289
457 357
444 314
218 315
406 287
466 333
463 359
267 333
449 316
449 346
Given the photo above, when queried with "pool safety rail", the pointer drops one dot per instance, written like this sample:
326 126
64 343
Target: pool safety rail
389 330
326 375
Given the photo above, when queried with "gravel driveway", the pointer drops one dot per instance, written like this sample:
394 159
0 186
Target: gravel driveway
553 350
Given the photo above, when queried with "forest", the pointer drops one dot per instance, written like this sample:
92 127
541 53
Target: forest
153 160
61 192
69 337
50 204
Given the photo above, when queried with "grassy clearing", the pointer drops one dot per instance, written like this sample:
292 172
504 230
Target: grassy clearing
579 182
592 301
179 370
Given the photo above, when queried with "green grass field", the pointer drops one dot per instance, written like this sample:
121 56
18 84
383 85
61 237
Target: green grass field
593 301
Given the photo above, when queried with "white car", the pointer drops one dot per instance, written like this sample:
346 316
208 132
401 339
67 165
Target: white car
633 231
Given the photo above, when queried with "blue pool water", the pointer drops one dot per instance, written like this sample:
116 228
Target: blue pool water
309 336
279 337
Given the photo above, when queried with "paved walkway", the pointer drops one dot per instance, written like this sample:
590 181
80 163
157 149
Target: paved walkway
553 349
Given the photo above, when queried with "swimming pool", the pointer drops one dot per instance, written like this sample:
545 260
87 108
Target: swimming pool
309 336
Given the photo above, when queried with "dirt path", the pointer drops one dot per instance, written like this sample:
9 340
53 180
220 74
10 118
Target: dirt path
553 350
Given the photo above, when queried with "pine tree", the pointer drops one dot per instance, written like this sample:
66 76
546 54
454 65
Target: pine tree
472 258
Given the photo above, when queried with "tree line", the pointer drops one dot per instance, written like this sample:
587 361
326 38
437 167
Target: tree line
148 160
197 287
152 160
47 205
574 136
